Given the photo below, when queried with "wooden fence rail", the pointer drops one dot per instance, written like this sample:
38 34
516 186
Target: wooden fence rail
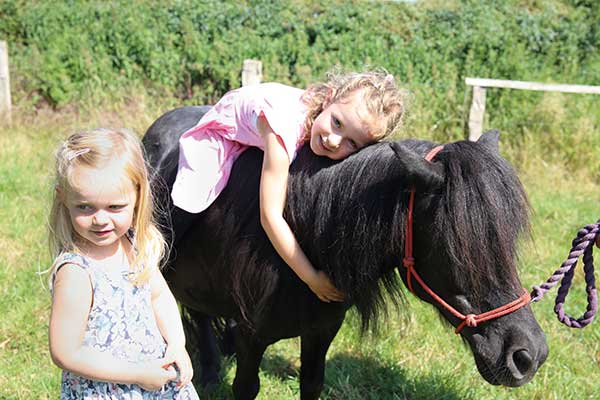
477 111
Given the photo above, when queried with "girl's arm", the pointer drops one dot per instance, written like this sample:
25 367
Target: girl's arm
169 323
71 303
273 188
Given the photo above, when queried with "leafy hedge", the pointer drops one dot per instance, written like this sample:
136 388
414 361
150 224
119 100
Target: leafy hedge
64 51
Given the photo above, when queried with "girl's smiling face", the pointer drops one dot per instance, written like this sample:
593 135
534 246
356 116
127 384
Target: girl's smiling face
342 128
101 206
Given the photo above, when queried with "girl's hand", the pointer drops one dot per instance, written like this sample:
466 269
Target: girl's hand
155 374
320 284
177 354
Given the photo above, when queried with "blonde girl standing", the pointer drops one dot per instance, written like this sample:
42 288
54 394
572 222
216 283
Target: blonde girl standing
115 329
337 118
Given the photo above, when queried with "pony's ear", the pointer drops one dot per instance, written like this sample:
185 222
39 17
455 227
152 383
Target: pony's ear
490 140
420 173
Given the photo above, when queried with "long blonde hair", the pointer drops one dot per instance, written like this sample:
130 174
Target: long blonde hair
384 100
95 149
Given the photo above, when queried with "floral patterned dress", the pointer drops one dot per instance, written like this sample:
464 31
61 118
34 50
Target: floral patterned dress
122 322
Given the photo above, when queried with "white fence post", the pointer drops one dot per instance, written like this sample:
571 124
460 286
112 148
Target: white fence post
251 72
5 102
477 113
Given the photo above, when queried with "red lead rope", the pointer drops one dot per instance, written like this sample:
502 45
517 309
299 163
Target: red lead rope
470 320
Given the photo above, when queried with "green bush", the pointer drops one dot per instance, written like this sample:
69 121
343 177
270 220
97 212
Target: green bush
192 51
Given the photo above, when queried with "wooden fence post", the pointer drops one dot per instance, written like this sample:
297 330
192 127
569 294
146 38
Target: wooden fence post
477 112
251 72
5 102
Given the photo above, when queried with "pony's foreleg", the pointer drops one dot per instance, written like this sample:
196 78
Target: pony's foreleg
249 353
314 348
202 346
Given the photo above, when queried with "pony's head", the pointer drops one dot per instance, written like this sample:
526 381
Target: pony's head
468 217
470 210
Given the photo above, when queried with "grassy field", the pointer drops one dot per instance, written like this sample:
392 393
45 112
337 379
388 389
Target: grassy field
414 357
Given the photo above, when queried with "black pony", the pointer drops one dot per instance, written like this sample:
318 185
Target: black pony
350 218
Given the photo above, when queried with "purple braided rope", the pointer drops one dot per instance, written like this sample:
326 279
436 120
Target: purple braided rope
582 244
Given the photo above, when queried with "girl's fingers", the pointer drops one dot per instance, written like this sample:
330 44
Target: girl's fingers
172 373
186 376
167 361
184 381
336 295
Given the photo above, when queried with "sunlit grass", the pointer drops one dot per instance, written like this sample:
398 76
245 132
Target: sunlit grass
415 356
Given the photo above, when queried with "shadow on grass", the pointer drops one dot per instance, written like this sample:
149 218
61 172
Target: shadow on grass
352 378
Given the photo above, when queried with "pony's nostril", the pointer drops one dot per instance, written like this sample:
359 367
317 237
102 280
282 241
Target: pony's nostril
523 361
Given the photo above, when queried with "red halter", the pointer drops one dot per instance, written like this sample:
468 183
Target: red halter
470 320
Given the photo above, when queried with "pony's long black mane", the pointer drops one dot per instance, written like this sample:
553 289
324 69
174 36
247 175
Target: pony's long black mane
350 219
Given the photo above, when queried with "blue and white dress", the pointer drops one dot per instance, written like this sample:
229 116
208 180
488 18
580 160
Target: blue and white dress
122 322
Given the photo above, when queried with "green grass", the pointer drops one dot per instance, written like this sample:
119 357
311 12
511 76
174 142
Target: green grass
414 357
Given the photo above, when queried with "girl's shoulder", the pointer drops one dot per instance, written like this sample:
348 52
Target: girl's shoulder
266 91
71 258
273 89
65 259
278 87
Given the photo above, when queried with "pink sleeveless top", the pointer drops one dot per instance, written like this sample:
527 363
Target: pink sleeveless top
208 150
